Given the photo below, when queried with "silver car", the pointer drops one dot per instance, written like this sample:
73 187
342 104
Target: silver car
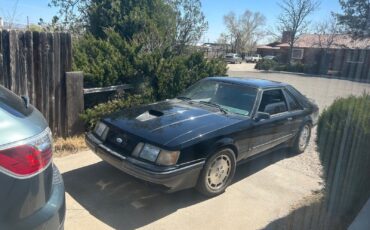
31 187
233 58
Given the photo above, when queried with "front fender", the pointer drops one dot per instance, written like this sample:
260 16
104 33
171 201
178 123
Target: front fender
225 142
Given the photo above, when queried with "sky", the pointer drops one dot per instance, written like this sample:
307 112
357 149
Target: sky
214 11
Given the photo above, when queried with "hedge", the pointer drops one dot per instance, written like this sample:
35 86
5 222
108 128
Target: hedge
343 139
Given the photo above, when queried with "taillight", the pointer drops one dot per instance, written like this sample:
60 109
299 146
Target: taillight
28 157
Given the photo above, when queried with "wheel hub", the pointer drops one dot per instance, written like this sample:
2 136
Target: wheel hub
303 138
218 172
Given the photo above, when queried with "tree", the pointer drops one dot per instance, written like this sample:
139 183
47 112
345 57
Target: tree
71 15
9 16
355 17
244 30
327 32
190 22
293 18
157 23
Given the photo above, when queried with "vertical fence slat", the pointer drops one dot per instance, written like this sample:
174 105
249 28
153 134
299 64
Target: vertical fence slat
6 57
37 71
1 59
44 76
63 69
57 84
51 93
22 65
13 47
29 65
75 102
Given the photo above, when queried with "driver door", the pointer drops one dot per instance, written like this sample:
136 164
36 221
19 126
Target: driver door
271 132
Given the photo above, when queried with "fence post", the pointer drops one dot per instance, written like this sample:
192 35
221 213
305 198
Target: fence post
75 102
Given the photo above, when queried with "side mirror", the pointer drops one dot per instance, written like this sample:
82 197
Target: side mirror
261 116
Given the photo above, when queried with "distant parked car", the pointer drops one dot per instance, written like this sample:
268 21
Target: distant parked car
31 187
253 58
270 57
198 138
233 58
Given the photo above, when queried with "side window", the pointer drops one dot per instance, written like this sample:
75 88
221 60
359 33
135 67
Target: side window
292 102
273 102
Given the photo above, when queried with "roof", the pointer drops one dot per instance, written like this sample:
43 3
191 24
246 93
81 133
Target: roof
268 47
253 82
334 41
331 41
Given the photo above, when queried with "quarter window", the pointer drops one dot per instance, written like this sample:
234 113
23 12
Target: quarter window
292 102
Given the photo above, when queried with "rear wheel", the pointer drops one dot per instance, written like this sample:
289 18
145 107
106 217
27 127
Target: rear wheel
217 173
302 140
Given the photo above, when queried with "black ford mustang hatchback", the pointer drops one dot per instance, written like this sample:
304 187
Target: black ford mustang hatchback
197 139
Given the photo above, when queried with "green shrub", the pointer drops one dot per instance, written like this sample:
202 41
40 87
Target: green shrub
281 68
298 68
102 61
178 73
266 64
343 139
91 116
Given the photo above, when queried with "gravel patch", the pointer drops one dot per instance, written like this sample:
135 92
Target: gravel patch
307 163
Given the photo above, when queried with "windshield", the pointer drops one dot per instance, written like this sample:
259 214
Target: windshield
233 98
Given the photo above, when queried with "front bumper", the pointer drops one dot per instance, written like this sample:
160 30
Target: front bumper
174 179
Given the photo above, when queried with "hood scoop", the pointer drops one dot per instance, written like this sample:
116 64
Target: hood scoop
149 115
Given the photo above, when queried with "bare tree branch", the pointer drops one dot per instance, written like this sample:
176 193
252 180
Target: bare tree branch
245 30
293 18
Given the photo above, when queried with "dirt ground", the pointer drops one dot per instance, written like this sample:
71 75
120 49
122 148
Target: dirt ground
101 197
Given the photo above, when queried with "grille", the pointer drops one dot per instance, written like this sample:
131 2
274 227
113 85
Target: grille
120 142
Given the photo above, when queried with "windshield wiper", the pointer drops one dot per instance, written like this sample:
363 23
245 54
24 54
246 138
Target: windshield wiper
214 105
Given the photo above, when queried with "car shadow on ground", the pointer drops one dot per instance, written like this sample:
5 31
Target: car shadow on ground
124 202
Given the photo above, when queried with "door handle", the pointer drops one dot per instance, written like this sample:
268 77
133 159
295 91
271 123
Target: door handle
290 118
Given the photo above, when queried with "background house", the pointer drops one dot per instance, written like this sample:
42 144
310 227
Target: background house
331 54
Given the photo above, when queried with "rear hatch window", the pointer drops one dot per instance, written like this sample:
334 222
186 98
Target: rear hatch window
13 104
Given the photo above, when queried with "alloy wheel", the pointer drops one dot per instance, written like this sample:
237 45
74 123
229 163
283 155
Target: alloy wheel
219 172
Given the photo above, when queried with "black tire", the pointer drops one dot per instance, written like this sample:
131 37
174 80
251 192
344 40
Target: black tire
299 146
209 175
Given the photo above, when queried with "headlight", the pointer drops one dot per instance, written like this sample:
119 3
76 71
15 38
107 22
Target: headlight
155 154
168 157
149 152
101 130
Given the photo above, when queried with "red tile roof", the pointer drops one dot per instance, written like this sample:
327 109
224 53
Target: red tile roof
328 41
331 41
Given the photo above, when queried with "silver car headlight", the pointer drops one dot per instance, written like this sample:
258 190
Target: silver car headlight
155 154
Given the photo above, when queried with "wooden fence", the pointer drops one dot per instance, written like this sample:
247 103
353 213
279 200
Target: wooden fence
76 101
35 64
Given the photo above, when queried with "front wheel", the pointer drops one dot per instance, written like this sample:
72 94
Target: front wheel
217 173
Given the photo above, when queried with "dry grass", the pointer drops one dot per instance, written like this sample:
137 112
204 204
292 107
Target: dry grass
69 145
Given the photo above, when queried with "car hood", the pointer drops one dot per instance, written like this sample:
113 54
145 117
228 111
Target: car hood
171 123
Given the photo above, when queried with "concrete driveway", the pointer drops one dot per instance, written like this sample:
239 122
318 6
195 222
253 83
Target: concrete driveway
101 197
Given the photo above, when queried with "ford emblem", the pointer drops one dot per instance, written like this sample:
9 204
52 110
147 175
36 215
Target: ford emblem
119 140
